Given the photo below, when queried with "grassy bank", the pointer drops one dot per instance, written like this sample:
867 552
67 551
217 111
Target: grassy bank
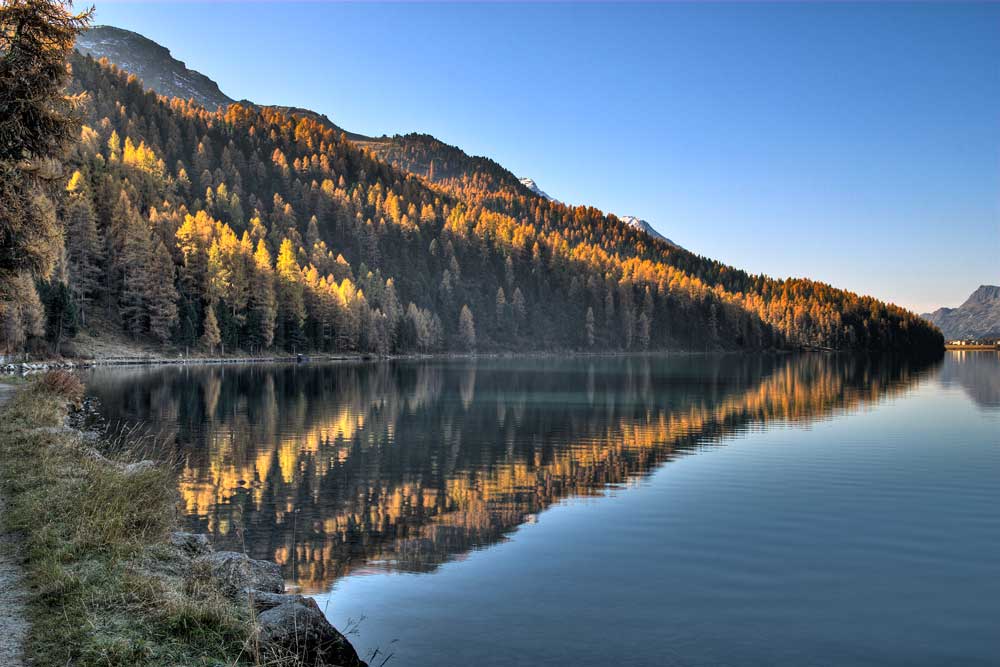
104 586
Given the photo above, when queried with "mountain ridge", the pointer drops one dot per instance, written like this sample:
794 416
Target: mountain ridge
153 63
977 317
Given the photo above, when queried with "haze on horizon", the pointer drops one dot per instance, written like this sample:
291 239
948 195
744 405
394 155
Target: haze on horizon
855 145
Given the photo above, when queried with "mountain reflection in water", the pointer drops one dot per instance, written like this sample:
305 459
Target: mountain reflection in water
334 468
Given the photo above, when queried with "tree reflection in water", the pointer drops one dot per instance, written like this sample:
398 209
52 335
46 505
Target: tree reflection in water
327 469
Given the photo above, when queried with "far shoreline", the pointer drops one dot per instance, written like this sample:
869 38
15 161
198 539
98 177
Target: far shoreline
22 368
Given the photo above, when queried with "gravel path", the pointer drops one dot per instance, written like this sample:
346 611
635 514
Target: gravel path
13 627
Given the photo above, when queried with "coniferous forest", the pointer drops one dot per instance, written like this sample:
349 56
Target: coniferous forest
253 229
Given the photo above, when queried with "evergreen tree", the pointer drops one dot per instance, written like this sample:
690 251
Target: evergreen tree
60 312
466 329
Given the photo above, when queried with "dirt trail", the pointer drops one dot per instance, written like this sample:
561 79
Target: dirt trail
13 627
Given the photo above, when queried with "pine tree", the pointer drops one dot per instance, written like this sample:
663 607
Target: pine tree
466 329
60 311
589 327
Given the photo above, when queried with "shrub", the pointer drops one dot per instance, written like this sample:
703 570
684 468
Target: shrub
62 384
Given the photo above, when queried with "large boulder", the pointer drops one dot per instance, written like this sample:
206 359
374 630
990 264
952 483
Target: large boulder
191 544
261 601
237 574
298 630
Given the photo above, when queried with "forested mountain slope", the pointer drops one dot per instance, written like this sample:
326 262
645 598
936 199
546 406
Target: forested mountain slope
253 228
802 312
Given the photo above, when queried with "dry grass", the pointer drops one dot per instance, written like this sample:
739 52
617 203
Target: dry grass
104 590
61 384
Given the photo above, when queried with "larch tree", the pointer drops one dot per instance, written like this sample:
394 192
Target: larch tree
210 335
162 295
137 276
262 304
289 292
36 127
644 331
84 246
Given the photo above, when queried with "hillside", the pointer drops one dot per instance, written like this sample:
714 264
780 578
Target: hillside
248 228
978 317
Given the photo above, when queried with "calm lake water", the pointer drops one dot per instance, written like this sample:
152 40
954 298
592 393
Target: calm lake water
780 510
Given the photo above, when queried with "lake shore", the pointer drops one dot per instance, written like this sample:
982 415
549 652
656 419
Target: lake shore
41 365
101 576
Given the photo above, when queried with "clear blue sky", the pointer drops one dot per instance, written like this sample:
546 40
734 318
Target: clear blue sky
855 144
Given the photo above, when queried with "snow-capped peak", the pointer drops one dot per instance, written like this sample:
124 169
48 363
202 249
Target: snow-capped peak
531 185
644 226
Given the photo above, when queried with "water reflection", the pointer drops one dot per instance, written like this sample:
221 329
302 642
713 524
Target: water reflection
977 373
330 469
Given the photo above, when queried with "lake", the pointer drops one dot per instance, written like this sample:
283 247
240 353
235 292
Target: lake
689 510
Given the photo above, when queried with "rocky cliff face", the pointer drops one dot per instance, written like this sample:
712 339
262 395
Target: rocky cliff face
152 63
978 317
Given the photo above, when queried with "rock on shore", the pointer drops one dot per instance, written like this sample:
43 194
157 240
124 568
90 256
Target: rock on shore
288 627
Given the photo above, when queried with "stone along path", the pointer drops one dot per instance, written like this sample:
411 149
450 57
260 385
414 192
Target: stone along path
13 627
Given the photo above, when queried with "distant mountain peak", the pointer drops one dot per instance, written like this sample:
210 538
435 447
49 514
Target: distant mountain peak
161 72
984 294
978 317
629 220
531 185
152 63
644 226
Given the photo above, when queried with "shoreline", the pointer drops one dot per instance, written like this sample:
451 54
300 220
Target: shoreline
15 368
101 574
